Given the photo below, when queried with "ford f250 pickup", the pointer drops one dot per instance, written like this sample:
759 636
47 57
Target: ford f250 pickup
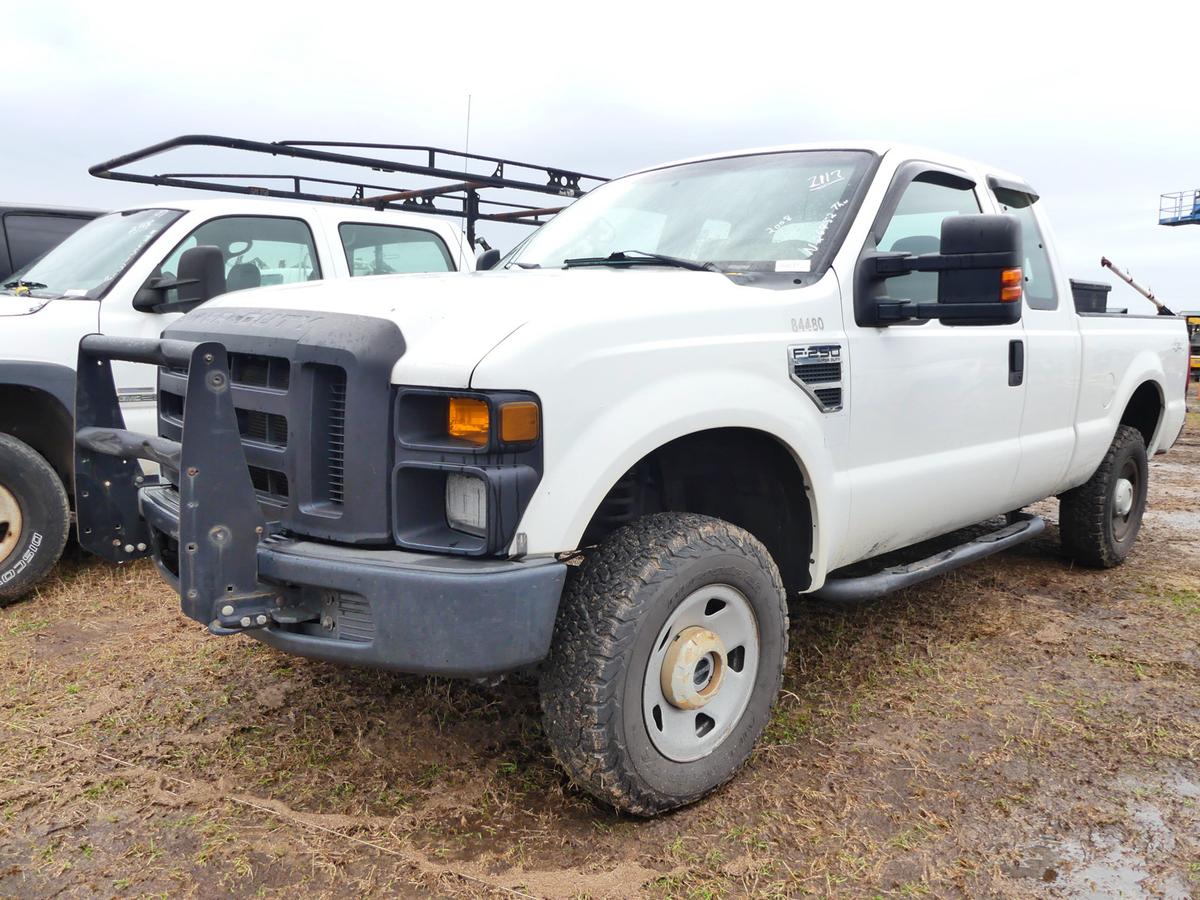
702 390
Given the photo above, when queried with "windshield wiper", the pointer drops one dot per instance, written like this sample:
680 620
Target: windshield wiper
28 285
522 265
623 257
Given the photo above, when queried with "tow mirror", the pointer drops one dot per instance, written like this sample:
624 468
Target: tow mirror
979 274
487 260
201 277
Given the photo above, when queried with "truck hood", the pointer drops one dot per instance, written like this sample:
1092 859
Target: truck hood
17 305
451 321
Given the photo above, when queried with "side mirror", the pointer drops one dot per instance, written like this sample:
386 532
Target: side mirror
979 274
487 260
201 277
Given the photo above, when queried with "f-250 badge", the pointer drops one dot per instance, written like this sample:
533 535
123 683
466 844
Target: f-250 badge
816 323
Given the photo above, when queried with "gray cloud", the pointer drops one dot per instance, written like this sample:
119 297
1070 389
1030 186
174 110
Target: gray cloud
1091 104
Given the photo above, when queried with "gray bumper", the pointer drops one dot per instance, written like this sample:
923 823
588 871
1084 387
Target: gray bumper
391 609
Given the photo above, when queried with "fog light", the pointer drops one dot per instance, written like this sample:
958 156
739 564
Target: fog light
466 504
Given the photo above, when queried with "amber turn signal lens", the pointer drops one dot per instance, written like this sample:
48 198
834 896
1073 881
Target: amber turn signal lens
519 422
1010 285
468 420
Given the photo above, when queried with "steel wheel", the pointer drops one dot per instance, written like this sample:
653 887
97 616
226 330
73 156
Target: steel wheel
701 673
1125 493
10 523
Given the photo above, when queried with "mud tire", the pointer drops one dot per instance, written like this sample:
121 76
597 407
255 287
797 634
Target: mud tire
1091 533
613 609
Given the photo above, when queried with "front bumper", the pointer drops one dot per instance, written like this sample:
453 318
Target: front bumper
411 612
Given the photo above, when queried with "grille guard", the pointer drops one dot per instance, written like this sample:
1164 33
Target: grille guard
220 523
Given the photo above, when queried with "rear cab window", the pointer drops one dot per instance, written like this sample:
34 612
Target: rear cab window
1018 201
32 234
393 250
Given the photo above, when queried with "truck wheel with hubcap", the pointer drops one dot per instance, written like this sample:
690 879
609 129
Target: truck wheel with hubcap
668 655
1100 519
35 517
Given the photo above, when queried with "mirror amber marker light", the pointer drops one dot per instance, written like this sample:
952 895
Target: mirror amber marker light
1010 285
468 420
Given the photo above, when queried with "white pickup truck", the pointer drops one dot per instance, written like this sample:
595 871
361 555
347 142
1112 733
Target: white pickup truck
131 273
702 389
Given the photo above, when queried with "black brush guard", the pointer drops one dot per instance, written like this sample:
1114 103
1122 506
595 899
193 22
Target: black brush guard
220 523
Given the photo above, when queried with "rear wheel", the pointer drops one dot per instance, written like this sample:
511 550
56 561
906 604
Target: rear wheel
34 518
668 656
1099 520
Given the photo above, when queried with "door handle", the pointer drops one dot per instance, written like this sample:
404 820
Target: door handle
1016 363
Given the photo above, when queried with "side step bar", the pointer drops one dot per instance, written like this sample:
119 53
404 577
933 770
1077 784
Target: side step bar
895 578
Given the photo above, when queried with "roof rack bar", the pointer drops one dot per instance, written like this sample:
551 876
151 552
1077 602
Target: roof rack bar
471 207
522 214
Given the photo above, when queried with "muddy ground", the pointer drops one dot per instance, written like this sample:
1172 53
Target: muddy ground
1019 728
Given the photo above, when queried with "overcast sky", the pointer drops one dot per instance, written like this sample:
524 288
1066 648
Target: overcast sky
1095 105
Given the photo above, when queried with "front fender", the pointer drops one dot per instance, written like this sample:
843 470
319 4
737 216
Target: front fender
583 464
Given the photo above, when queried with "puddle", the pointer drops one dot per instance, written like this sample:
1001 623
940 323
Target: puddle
1111 863
1105 867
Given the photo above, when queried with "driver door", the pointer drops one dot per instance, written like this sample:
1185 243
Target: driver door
257 250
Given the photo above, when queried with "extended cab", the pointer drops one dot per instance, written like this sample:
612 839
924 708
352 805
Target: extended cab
132 273
702 389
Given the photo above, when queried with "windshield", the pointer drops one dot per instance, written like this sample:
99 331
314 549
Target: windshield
773 212
92 258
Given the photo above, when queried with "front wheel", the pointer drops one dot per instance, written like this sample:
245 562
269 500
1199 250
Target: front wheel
34 518
1099 520
668 656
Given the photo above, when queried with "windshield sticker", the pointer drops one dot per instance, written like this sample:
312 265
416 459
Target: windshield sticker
793 265
833 176
75 292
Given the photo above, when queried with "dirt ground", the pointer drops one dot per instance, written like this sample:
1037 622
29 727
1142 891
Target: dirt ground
1019 728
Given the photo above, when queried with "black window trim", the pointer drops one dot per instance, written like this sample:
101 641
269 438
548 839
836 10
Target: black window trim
1020 187
350 266
307 225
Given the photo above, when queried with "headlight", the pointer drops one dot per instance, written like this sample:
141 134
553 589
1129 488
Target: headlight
466 504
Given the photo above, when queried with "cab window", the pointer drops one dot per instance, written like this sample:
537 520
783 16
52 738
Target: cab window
258 250
916 228
1039 277
393 250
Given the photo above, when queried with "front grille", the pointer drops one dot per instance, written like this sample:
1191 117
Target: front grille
263 427
271 486
253 370
312 398
329 414
336 441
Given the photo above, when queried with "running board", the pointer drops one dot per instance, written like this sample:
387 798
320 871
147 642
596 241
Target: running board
871 587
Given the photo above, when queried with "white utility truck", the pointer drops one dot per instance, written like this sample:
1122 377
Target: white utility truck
699 391
132 273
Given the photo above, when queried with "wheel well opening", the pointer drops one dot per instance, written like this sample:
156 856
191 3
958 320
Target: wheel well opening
1144 410
39 419
746 477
